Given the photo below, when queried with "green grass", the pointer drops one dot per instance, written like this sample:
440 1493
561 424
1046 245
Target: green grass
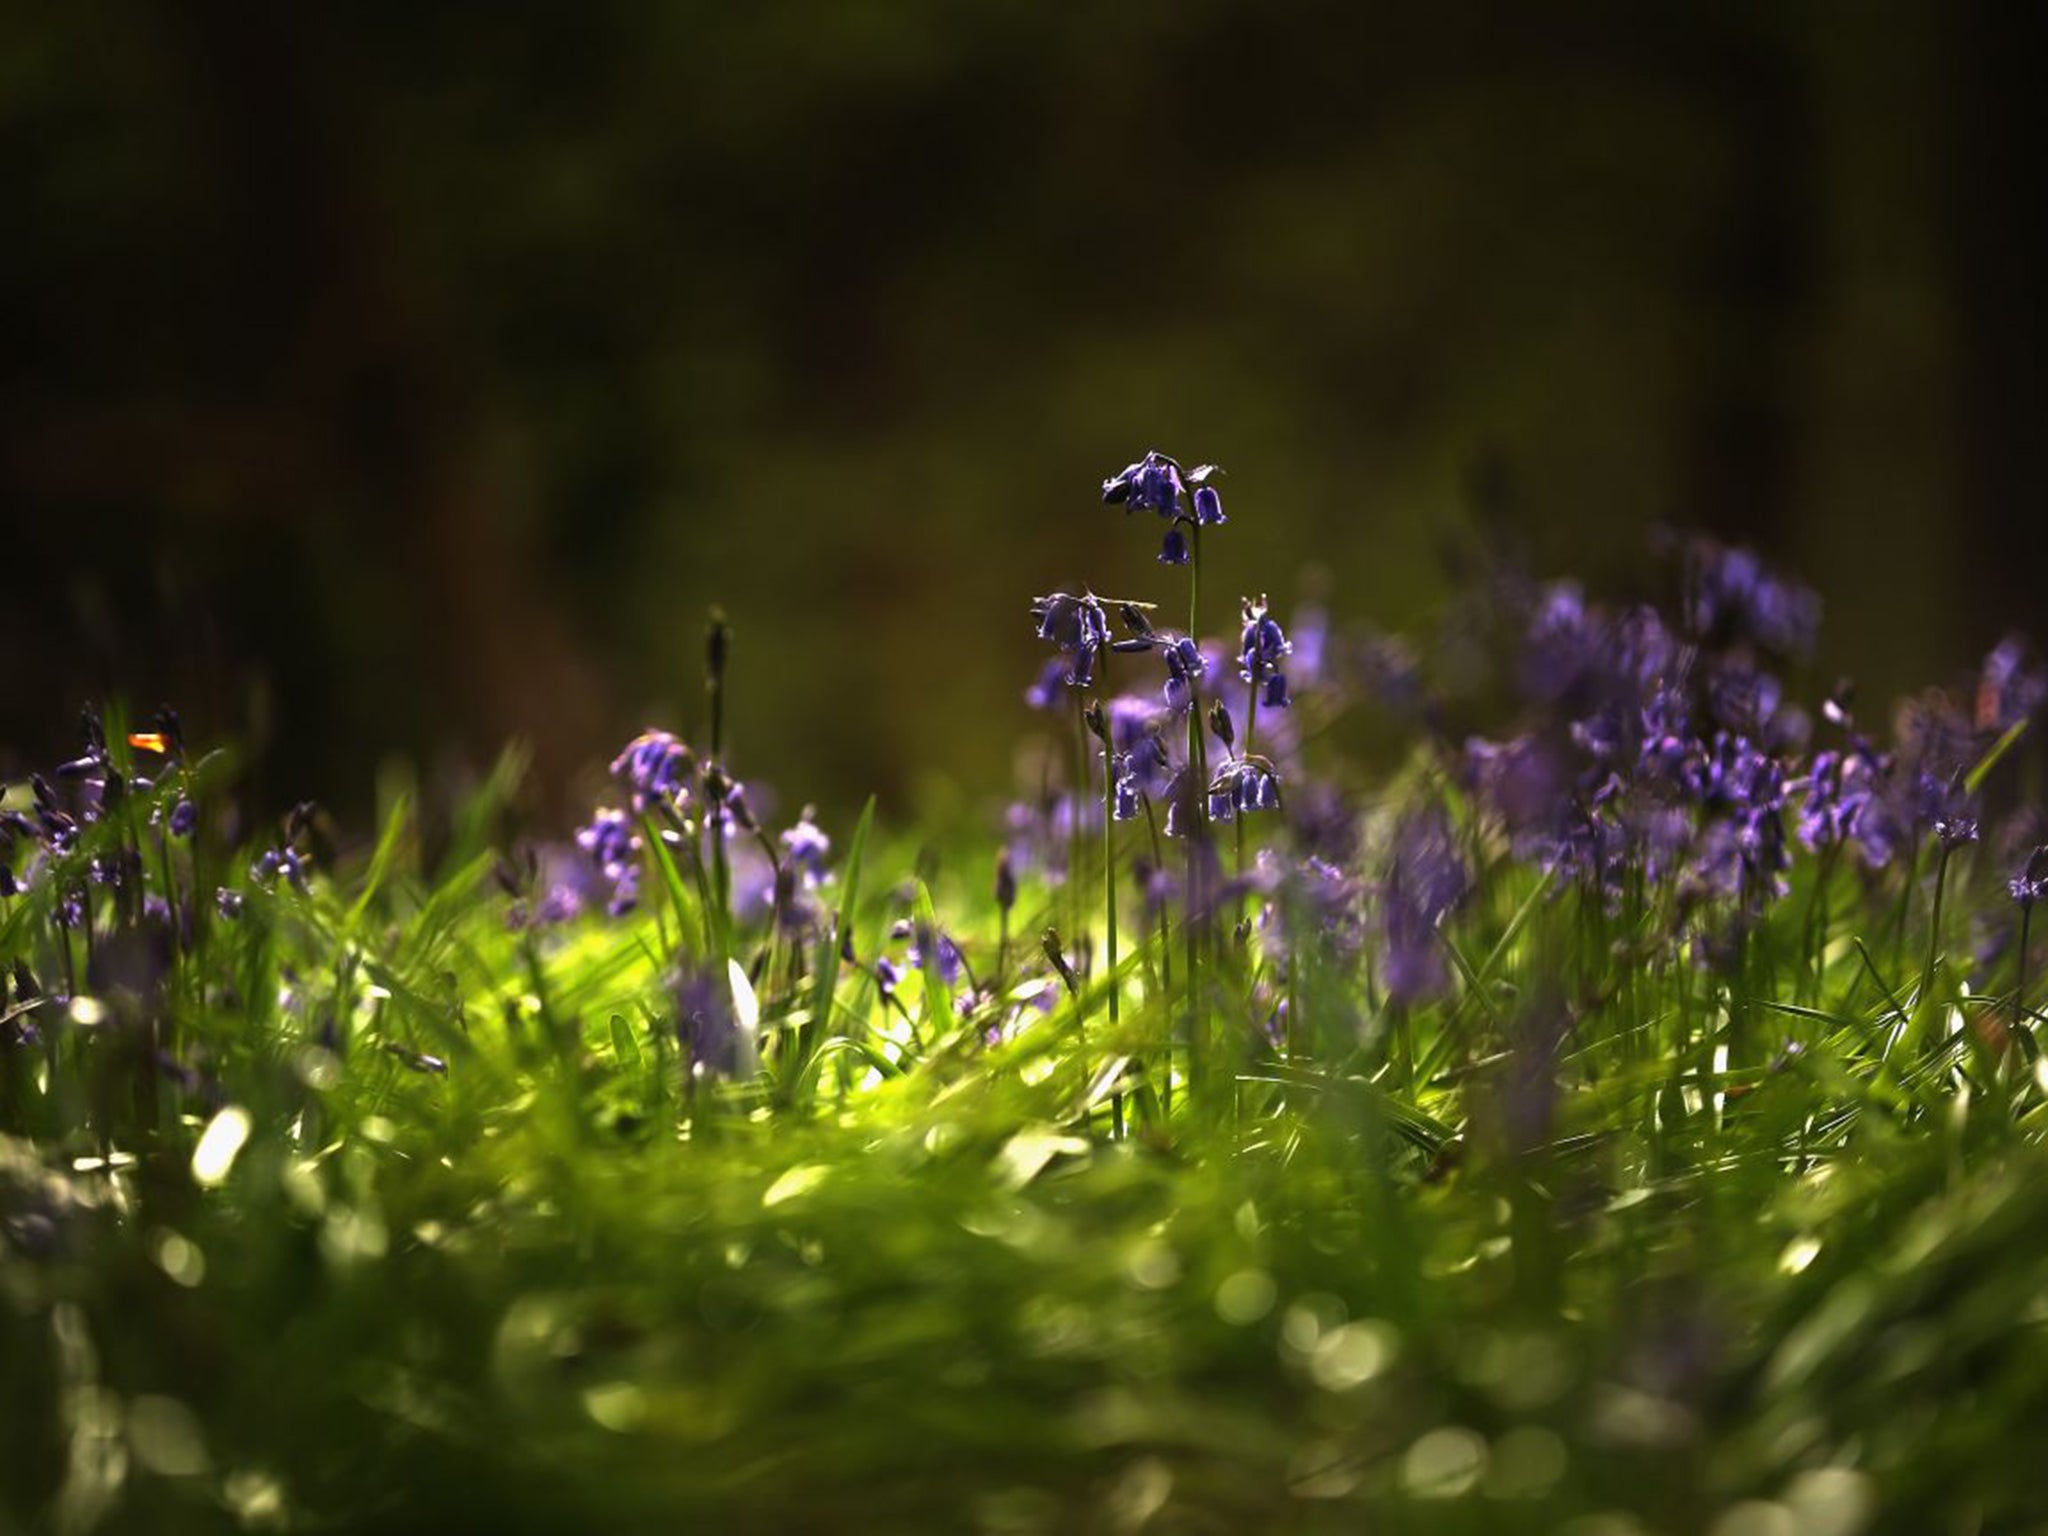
1605 1240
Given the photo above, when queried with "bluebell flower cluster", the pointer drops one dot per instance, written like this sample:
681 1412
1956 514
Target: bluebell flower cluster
656 770
1426 878
612 841
1078 627
1732 597
1184 499
1243 785
2029 883
1262 649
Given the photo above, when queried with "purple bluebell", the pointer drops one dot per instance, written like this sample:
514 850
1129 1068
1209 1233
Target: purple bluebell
228 903
1526 783
1565 645
610 840
1124 786
939 949
705 1028
1184 673
726 809
1048 689
1426 879
1316 905
807 848
281 863
184 818
794 908
1243 784
1838 790
1078 627
2030 884
614 848
1152 484
1261 649
1208 507
1173 546
656 769
1731 597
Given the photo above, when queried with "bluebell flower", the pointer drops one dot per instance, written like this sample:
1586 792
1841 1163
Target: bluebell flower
1243 784
706 1031
1186 673
1078 626
228 903
804 846
1208 507
1153 484
280 863
1262 647
2030 884
1426 879
939 950
1317 904
726 810
656 769
183 819
1839 788
610 840
1730 596
1173 547
794 909
1124 786
1048 689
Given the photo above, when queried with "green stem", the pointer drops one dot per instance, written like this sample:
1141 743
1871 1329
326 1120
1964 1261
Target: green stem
1934 924
1251 745
1077 837
2019 991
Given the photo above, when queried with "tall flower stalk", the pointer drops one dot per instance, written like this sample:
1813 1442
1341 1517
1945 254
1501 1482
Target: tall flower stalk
1186 503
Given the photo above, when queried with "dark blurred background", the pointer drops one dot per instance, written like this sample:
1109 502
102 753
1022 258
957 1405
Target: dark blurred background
404 377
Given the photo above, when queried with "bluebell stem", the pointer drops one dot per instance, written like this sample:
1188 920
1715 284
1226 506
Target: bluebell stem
2028 887
1006 898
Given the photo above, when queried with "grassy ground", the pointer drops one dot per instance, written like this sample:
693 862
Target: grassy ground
1609 1200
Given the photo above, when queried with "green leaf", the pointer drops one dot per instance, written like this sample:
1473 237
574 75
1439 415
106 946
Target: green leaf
624 1046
